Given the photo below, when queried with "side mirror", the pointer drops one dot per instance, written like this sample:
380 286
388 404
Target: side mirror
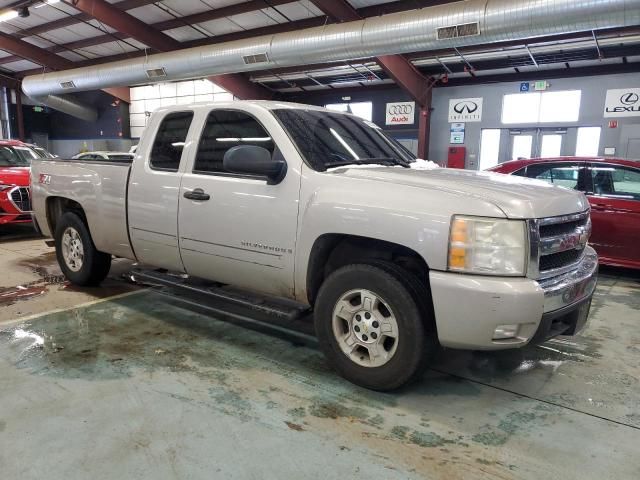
254 160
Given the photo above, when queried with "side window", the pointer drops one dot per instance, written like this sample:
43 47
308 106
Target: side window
616 181
568 175
169 143
226 129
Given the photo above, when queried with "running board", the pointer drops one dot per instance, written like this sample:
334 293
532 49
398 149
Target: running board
283 309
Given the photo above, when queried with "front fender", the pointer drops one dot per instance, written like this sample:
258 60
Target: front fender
416 218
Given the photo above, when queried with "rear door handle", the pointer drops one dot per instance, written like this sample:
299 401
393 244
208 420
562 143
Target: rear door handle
197 194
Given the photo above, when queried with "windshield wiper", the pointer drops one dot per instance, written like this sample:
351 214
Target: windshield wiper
388 161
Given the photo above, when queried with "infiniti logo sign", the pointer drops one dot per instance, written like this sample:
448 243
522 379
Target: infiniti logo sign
468 107
465 110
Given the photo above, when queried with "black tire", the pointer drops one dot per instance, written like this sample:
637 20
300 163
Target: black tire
95 265
417 339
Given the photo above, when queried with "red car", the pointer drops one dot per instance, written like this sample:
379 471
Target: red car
15 197
613 188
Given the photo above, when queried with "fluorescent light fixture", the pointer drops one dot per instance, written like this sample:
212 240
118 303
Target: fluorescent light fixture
47 2
8 15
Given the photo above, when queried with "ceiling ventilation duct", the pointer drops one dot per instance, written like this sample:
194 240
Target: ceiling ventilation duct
68 105
469 22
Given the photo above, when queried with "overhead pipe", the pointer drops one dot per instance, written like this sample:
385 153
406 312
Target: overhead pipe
458 24
68 105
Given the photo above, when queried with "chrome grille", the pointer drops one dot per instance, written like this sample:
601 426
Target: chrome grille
557 244
21 198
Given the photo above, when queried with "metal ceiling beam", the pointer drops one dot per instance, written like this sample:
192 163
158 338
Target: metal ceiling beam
188 20
9 82
125 23
78 18
121 21
396 66
209 15
30 52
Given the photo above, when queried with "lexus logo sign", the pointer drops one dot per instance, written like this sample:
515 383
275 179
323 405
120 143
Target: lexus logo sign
400 113
629 98
465 110
622 103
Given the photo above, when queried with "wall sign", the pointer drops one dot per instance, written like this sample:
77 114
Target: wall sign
540 85
457 134
400 113
524 87
623 102
465 110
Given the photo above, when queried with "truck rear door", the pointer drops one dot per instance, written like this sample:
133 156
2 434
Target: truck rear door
154 189
239 229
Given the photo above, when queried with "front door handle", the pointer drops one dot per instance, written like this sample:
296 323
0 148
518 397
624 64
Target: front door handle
197 194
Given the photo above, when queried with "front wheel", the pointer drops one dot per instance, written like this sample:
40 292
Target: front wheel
371 326
77 256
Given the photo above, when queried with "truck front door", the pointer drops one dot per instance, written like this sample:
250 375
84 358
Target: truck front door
239 229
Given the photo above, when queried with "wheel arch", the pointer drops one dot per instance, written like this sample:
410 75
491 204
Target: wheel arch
332 251
58 206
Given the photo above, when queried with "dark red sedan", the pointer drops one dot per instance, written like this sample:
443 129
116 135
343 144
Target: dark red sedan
613 188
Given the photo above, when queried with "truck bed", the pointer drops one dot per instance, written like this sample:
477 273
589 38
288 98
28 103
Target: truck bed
99 186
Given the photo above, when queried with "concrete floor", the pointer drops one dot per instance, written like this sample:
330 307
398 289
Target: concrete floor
142 385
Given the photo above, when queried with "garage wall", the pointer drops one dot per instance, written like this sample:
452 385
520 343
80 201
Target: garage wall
379 97
146 99
593 96
594 90
66 136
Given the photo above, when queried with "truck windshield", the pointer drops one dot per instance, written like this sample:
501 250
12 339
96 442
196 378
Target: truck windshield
328 140
14 157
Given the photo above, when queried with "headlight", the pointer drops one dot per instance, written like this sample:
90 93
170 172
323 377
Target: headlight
487 246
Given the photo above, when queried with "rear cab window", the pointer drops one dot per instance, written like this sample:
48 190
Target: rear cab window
168 145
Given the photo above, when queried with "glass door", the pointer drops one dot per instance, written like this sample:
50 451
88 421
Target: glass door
536 143
550 145
522 146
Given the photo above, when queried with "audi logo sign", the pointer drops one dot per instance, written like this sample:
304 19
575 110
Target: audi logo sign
465 110
396 109
622 103
400 113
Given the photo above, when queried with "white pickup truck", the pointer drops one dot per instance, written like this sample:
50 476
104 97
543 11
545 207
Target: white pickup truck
325 209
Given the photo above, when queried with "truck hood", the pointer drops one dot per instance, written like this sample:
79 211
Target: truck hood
517 197
15 176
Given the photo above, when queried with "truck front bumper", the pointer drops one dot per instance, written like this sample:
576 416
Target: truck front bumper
474 312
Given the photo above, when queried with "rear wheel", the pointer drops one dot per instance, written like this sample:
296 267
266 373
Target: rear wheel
371 326
77 256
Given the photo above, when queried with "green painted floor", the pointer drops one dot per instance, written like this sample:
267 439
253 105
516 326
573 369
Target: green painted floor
146 387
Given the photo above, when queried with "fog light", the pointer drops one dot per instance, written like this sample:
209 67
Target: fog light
504 332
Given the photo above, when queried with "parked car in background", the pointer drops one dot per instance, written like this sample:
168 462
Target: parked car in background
612 186
41 152
15 198
105 156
